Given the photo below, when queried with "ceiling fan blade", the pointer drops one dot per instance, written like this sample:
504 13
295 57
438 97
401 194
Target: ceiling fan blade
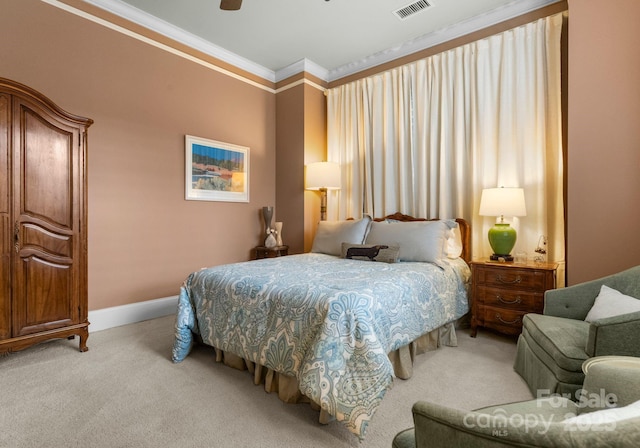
230 5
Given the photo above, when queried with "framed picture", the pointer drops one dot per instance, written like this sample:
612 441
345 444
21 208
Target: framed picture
216 171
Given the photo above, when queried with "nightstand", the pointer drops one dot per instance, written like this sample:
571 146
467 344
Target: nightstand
502 293
271 252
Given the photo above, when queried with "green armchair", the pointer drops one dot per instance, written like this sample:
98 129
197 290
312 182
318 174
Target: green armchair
553 345
612 386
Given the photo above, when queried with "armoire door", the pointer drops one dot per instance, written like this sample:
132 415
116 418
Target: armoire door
5 217
47 191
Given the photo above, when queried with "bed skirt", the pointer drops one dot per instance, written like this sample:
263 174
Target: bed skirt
287 386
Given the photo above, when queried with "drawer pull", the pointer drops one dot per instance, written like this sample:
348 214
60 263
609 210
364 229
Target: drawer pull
516 321
506 302
518 279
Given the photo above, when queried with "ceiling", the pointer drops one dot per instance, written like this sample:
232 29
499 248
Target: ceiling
329 38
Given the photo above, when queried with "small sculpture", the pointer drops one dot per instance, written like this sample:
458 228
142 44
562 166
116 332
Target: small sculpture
365 252
271 239
541 250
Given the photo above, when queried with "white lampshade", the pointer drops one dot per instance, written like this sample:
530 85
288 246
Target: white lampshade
323 175
503 202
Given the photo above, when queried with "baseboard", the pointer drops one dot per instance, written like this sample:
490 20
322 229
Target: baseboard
131 313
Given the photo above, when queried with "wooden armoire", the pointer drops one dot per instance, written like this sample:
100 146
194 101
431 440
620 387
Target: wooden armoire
43 212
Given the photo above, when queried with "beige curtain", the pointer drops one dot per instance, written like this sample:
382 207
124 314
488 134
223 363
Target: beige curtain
426 138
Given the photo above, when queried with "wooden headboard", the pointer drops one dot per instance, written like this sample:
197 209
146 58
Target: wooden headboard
463 225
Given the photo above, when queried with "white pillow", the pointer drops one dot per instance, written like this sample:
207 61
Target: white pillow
604 417
331 234
611 302
418 240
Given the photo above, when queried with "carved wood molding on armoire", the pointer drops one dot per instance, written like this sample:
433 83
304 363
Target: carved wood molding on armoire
43 217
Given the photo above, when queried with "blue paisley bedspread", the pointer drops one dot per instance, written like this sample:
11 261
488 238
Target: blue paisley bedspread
327 321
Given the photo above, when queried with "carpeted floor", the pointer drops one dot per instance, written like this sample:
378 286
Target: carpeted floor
125 392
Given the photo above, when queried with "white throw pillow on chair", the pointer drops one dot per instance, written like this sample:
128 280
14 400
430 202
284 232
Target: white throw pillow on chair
611 302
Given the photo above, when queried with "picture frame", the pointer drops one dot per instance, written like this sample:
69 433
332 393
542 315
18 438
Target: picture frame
216 171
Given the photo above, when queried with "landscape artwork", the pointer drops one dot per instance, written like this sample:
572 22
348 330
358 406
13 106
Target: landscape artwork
216 171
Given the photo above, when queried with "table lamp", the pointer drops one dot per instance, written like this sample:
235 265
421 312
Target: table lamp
323 176
500 202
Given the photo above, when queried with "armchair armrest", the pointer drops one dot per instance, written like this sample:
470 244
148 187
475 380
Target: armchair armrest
440 426
610 377
617 335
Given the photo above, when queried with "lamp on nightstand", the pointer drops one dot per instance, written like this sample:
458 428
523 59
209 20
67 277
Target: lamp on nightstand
500 202
323 176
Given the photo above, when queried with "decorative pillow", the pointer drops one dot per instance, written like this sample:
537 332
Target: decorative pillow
331 234
418 240
369 252
454 241
605 416
454 238
611 302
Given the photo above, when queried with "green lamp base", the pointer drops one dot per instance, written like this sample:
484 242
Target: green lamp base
502 238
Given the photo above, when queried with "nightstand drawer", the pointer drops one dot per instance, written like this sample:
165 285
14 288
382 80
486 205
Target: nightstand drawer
511 299
505 321
517 278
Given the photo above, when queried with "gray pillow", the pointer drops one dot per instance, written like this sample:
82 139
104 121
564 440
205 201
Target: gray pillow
418 240
331 234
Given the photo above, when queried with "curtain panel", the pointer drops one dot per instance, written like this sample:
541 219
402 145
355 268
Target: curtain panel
426 138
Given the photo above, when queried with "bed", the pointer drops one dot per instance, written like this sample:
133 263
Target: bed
333 327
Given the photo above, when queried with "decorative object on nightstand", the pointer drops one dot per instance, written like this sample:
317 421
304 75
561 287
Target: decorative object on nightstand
271 252
502 293
278 227
323 176
500 202
541 250
271 241
267 215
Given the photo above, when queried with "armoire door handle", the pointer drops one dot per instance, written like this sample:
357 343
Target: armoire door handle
16 236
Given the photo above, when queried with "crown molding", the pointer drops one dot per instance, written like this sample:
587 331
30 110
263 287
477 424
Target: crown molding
506 12
303 65
153 23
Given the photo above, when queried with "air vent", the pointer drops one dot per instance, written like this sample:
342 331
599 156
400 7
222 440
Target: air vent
411 9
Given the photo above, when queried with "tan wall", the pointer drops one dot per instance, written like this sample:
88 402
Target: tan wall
315 150
604 138
144 237
290 166
302 138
